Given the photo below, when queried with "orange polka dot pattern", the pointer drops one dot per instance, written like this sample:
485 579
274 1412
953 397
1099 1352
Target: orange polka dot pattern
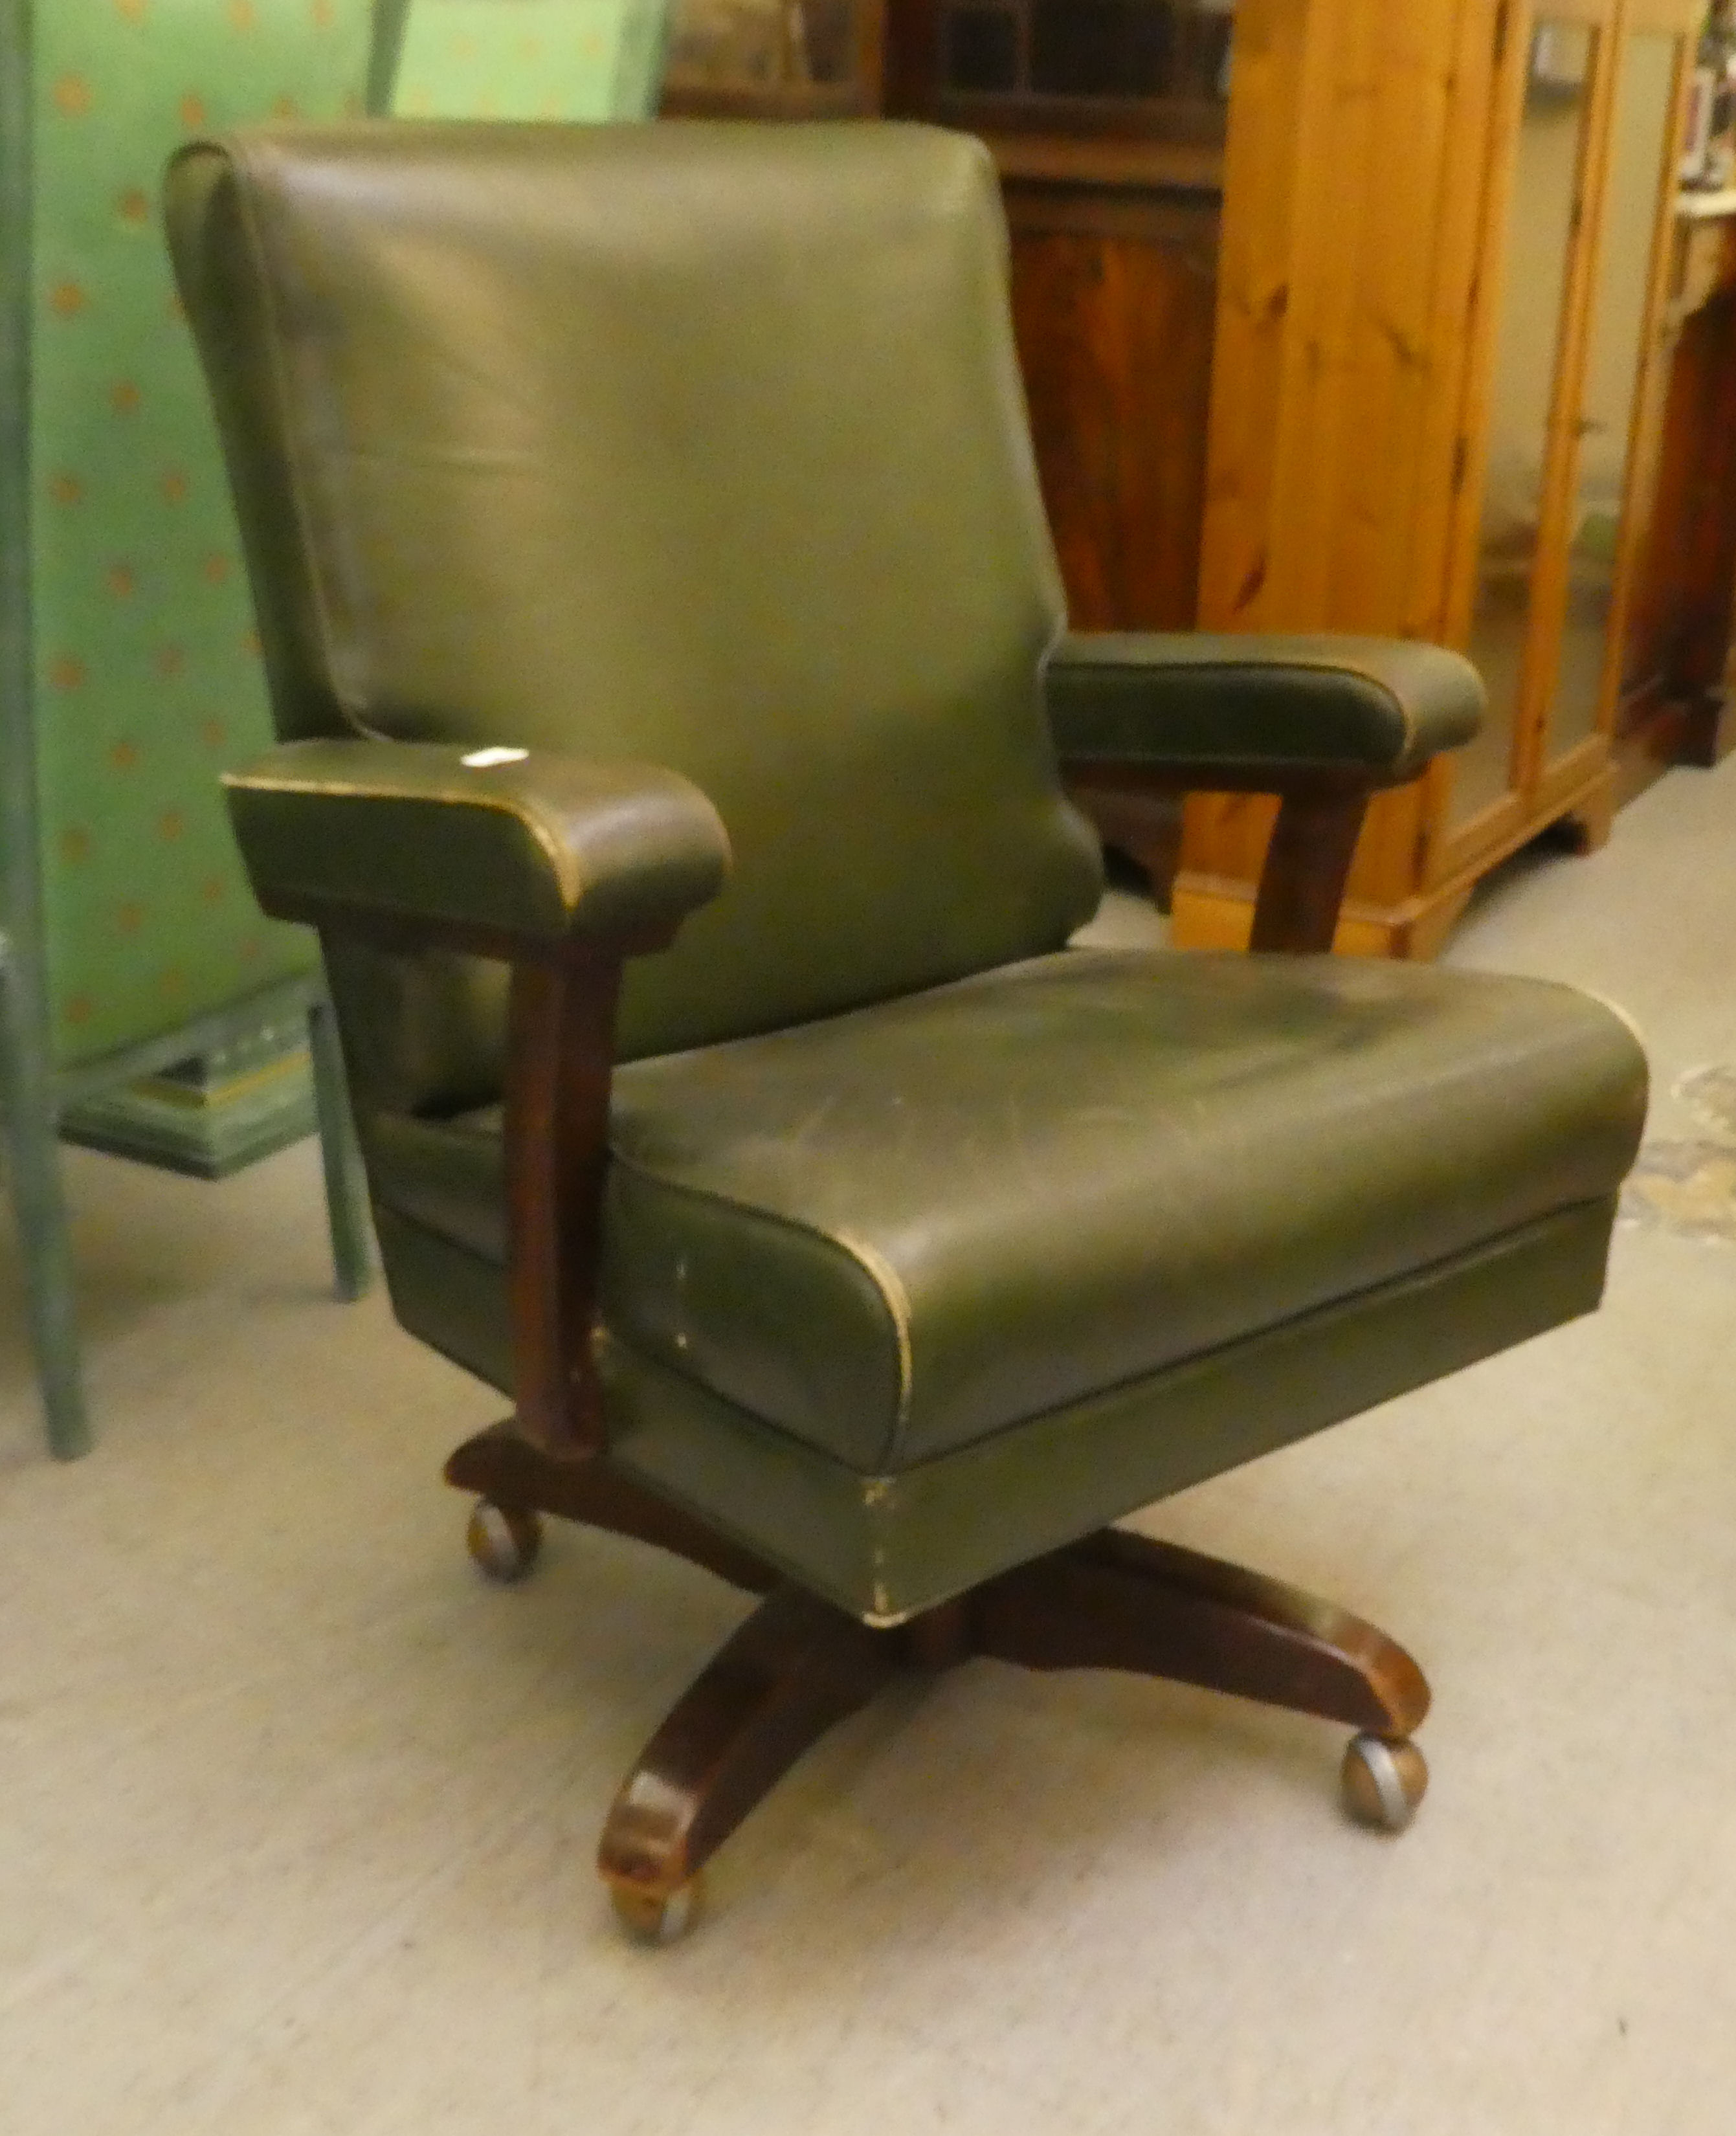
147 685
536 59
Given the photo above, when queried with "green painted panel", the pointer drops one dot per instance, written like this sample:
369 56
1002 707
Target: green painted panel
147 678
531 59
208 1117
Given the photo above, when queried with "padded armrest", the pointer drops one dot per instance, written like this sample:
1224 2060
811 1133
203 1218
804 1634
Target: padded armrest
537 848
1374 707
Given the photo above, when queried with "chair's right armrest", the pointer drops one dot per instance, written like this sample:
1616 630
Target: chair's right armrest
1261 712
513 853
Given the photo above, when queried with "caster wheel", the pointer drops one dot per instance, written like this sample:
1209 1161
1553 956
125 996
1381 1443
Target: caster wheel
504 1544
657 1917
1384 1781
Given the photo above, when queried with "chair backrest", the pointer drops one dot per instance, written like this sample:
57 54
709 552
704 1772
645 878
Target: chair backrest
147 678
580 60
698 444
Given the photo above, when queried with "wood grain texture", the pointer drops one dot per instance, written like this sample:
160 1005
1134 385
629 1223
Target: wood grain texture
1113 304
1262 204
1347 119
1350 249
1369 178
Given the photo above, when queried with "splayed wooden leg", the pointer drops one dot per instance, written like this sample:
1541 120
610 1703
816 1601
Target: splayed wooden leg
795 1668
1123 1601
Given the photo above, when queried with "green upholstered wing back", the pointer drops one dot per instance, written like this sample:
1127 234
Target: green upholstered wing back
148 679
530 518
527 59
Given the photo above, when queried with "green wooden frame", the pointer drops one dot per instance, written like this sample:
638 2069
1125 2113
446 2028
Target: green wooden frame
390 19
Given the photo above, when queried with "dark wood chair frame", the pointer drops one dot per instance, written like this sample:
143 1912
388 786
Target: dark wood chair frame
798 1665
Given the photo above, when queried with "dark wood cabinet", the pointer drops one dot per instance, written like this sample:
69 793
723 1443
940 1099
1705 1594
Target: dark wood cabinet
1106 118
1114 297
1145 65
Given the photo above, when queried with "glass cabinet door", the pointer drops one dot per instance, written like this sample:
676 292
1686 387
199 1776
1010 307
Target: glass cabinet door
1043 55
1543 221
1641 127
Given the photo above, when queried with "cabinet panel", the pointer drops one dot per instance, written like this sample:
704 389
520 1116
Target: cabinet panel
1544 222
1641 140
1114 312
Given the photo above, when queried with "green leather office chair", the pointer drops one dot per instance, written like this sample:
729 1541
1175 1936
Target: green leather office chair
644 525
129 674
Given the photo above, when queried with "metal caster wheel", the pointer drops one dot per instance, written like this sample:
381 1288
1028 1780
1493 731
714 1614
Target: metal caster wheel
656 1918
1384 1781
503 1543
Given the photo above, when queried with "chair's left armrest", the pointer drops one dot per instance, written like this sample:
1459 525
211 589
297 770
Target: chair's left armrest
564 868
516 853
1260 713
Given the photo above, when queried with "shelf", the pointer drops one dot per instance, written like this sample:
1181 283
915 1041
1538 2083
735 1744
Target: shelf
1116 163
1706 207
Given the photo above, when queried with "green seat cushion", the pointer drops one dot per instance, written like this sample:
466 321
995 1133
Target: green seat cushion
895 1232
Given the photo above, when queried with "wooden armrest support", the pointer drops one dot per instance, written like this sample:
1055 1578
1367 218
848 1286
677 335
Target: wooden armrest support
1306 866
560 1063
1307 860
561 868
560 1038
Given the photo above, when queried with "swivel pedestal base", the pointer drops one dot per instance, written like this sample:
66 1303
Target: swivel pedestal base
798 1666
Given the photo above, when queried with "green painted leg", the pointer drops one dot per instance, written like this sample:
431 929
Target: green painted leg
390 20
39 1211
346 1192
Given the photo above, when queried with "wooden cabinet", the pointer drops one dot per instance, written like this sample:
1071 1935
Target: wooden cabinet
774 59
1435 395
1107 120
1114 297
1678 674
1144 68
1334 315
1406 280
